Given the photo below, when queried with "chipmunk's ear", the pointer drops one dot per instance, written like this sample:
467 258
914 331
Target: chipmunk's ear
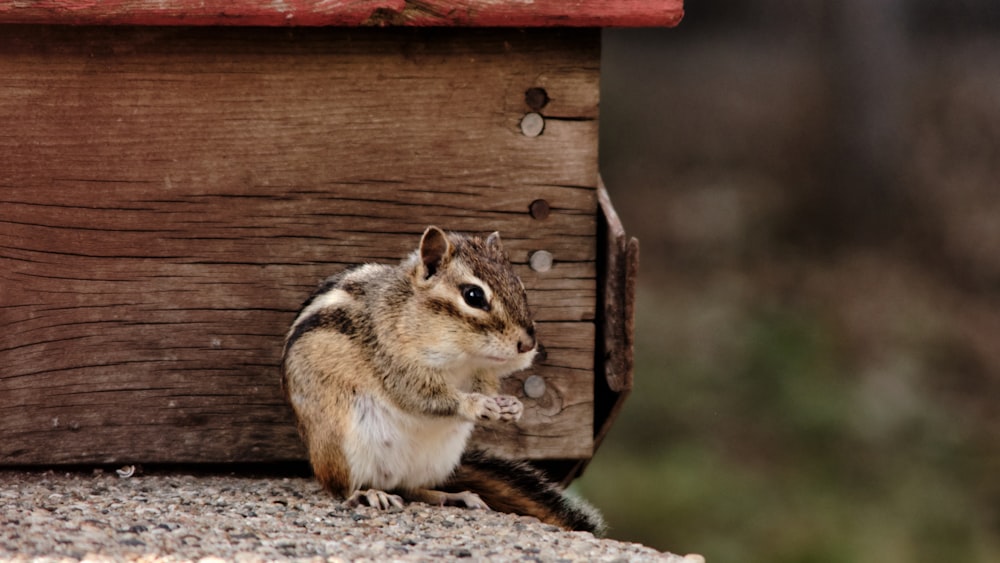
494 240
434 250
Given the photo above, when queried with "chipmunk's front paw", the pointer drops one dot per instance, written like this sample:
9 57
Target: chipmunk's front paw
483 407
510 408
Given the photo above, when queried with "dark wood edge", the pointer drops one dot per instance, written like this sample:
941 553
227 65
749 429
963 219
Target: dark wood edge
617 270
618 279
618 315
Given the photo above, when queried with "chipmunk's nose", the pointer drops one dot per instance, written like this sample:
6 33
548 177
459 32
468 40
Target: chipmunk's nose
526 342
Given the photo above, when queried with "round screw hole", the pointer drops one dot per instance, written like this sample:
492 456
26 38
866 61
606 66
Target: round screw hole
536 98
540 209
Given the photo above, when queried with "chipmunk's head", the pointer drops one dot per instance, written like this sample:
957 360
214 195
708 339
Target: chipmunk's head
477 308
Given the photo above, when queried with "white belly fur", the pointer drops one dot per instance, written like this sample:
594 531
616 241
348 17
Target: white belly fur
389 449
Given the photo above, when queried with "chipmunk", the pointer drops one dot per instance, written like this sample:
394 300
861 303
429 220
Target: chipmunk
388 369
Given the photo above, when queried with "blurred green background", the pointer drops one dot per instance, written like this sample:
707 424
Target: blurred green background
816 188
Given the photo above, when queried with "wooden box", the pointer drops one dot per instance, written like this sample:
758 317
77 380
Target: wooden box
175 178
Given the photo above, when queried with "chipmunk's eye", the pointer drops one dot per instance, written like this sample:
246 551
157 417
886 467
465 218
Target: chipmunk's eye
475 297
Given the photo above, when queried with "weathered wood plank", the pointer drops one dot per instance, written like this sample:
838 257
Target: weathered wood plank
219 400
168 197
486 13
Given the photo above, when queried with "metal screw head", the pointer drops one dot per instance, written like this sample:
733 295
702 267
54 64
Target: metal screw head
534 386
541 260
532 124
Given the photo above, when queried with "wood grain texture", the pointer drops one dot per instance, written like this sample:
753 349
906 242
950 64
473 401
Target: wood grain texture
168 197
465 13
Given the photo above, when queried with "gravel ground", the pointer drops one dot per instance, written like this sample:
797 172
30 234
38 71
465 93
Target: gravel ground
96 516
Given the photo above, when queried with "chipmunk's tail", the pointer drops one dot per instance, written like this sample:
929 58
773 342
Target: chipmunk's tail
511 486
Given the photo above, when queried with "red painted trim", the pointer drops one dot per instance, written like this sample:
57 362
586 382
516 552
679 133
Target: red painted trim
450 13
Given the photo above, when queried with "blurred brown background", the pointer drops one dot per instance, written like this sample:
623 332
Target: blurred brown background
816 187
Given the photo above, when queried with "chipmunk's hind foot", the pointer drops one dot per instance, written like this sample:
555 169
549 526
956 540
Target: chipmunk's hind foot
375 499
